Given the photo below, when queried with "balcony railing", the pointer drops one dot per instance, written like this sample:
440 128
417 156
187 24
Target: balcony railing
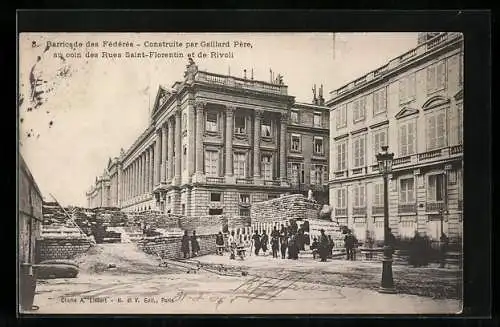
437 40
244 181
359 211
242 83
434 206
401 160
457 149
407 208
339 174
340 211
377 210
272 182
357 171
215 180
429 154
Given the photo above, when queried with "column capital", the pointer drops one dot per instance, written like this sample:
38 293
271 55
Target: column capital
230 109
448 167
259 113
284 117
177 112
417 172
199 105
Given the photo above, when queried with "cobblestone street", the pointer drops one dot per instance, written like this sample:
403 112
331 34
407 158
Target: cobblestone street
305 286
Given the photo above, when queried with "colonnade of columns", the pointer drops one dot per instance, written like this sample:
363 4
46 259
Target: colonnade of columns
161 162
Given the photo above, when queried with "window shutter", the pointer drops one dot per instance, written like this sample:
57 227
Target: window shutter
362 151
441 130
312 175
410 193
460 122
344 115
431 73
383 99
375 102
411 138
412 87
403 140
402 191
289 169
402 90
431 188
440 75
362 196
431 132
363 108
339 198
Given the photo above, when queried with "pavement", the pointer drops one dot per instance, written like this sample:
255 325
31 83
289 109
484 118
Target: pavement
271 286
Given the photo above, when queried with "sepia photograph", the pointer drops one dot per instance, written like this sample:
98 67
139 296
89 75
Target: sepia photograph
240 173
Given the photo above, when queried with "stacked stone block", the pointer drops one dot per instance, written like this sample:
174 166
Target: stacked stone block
50 249
170 247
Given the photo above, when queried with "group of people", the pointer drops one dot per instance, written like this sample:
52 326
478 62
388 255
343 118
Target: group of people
186 241
323 247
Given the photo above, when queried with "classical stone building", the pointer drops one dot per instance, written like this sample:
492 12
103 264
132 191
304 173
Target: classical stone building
218 143
414 105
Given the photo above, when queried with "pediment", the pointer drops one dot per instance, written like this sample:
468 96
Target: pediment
405 112
459 95
435 101
161 96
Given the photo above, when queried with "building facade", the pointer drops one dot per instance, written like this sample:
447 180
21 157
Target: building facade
413 104
217 143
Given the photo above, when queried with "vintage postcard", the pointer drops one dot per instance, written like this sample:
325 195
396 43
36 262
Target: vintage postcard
240 173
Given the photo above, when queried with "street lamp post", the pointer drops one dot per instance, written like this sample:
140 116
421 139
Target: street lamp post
384 160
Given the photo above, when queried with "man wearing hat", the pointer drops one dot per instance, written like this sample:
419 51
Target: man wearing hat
323 246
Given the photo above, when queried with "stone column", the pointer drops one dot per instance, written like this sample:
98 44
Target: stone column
157 157
119 186
144 173
136 176
170 157
283 122
178 148
163 153
229 140
139 174
191 148
256 144
200 108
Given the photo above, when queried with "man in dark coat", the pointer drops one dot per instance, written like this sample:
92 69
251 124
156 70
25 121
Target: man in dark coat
185 244
443 248
331 244
349 245
314 247
323 246
219 242
283 245
195 246
256 242
264 241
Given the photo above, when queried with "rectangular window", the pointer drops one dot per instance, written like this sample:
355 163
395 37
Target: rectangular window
266 127
317 121
358 149
215 196
341 156
295 144
379 140
240 165
436 77
183 209
211 122
341 198
267 167
245 198
245 212
341 116
295 172
407 88
379 101
317 173
239 124
406 192
359 109
407 139
318 145
211 163
435 188
359 196
378 194
215 212
436 130
294 117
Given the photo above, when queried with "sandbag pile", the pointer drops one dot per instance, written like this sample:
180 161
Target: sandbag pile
294 206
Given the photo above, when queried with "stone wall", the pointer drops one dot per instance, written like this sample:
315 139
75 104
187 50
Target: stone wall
294 206
203 225
50 249
170 247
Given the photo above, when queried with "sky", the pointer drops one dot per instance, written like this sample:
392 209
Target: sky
83 110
